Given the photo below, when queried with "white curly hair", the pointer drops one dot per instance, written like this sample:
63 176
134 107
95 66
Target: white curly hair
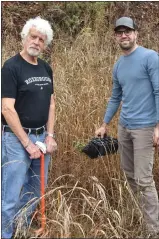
41 25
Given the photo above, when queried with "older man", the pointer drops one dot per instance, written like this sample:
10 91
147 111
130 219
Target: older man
28 115
136 84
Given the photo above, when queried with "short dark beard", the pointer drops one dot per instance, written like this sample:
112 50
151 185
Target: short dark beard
127 48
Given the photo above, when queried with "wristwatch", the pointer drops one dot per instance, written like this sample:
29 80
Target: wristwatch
51 135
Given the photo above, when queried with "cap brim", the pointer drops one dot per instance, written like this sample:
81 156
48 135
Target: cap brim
124 25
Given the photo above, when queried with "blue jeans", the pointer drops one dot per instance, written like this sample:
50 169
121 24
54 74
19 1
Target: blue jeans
20 180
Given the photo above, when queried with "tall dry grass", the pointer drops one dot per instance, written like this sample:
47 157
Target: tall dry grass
86 198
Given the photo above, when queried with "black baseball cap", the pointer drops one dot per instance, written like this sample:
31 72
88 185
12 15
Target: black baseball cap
126 22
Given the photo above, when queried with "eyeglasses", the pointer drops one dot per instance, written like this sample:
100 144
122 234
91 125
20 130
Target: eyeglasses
127 32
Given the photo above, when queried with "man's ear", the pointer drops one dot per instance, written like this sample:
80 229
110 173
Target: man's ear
45 46
23 40
136 32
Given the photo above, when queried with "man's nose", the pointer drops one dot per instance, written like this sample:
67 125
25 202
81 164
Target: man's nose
123 34
36 41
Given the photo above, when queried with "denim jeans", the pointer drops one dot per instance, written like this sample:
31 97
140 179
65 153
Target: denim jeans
20 180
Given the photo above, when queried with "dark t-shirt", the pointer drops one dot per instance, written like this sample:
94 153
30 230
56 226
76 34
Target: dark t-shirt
31 86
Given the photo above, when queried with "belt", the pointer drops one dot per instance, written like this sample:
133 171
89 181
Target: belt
37 131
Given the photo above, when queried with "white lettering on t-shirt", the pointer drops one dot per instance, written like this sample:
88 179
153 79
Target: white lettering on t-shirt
37 79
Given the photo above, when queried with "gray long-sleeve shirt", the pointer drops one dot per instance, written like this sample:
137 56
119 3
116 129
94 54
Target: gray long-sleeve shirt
136 84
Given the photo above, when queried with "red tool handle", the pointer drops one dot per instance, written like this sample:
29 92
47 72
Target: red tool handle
42 191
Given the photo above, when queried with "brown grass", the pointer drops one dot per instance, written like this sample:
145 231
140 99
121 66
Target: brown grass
86 198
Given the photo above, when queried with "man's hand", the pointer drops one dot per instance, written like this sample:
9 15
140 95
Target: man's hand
51 144
156 136
102 130
33 150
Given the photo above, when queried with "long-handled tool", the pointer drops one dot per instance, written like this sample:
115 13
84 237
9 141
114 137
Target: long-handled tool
42 147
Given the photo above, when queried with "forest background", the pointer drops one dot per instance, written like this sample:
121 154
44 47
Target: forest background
84 198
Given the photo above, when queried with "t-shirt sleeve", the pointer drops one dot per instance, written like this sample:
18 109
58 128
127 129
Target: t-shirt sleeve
50 72
9 82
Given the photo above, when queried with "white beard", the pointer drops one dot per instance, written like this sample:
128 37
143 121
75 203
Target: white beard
33 52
